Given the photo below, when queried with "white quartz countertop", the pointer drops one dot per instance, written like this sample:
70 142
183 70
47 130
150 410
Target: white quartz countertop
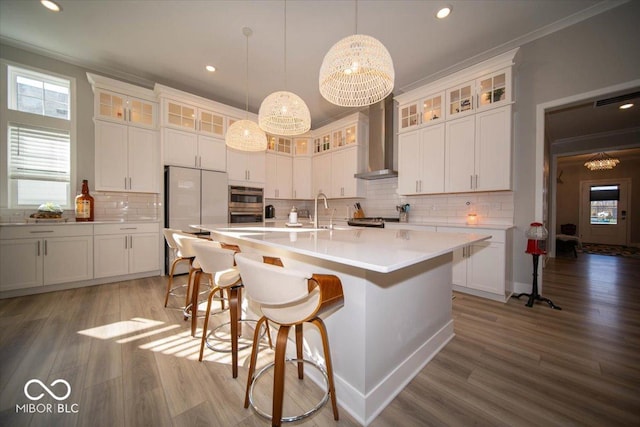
376 249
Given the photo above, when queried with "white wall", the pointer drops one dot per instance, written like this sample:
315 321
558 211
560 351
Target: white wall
596 53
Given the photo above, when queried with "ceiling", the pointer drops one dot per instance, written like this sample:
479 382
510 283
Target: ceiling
170 42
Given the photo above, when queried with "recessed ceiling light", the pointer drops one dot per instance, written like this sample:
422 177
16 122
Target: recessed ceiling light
444 12
51 5
210 68
626 106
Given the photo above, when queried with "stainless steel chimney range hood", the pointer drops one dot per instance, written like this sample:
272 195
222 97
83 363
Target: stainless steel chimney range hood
380 161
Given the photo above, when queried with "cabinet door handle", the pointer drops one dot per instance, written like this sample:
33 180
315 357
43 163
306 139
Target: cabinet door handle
476 182
125 182
130 242
471 182
416 185
130 185
38 247
45 248
126 246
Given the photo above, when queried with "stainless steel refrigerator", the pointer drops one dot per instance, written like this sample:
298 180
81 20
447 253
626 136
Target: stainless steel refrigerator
193 196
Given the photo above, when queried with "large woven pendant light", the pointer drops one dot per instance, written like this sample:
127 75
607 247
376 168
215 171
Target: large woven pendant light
246 135
284 113
357 71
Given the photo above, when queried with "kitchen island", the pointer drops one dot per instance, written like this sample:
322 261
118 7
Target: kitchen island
397 301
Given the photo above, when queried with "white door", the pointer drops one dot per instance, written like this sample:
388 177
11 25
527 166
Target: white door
409 163
110 255
143 252
180 148
68 259
431 159
603 219
110 156
143 160
21 263
212 152
460 155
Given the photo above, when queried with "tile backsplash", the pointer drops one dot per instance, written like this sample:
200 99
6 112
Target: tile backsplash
491 208
109 206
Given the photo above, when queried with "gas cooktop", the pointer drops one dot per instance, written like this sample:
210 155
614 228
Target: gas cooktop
370 221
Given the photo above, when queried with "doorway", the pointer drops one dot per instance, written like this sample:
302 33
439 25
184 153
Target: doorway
604 209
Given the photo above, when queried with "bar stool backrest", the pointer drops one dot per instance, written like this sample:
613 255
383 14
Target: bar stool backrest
184 241
211 257
270 284
168 236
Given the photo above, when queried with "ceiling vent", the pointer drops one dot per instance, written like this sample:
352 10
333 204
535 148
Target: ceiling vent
616 99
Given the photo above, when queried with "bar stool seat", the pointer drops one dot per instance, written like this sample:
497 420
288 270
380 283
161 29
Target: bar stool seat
288 298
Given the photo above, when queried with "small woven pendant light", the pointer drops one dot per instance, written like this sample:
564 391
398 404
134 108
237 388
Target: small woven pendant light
245 135
357 71
284 113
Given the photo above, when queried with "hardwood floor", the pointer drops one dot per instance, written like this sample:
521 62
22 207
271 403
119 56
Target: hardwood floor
131 362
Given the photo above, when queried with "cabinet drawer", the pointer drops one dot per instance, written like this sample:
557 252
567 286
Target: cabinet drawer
497 236
126 228
43 231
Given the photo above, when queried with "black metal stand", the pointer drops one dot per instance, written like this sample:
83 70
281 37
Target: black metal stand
534 295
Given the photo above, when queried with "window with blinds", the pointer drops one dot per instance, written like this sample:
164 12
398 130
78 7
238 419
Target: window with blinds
39 135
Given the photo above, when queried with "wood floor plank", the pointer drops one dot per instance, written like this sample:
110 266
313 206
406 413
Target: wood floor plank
131 361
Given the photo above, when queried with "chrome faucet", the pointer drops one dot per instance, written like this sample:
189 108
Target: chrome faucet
315 213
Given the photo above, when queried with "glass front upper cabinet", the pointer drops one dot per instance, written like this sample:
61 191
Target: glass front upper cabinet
181 115
111 106
460 100
432 108
493 89
409 116
211 123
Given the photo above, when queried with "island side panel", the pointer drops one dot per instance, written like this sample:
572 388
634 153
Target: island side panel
408 321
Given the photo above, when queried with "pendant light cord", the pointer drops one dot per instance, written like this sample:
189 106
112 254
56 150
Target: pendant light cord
285 44
356 18
246 83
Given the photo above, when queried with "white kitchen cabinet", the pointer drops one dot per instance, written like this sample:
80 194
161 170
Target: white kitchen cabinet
302 167
427 110
190 117
194 150
125 249
478 152
322 143
493 149
279 144
483 268
461 100
126 158
421 159
344 164
279 176
39 255
246 167
460 155
494 89
344 136
121 108
321 174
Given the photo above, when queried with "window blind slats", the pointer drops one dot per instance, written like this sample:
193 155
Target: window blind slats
39 154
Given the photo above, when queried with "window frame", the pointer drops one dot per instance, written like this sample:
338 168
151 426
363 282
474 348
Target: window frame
8 197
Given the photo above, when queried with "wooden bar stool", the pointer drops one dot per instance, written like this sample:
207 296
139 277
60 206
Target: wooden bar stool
218 264
178 257
289 298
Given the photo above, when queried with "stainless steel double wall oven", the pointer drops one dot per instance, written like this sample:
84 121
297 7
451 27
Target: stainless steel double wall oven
246 204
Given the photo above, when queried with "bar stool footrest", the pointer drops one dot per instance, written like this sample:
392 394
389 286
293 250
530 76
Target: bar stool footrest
228 340
310 412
